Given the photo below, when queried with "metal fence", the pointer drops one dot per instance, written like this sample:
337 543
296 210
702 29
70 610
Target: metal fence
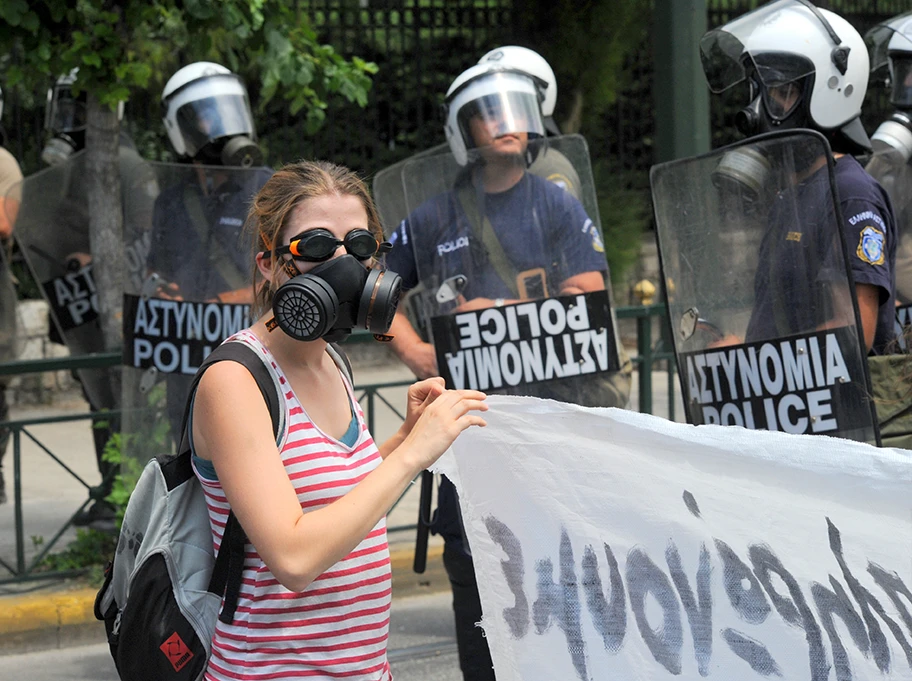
371 397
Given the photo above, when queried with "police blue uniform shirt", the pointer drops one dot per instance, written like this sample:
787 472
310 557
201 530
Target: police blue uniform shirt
799 257
537 223
182 255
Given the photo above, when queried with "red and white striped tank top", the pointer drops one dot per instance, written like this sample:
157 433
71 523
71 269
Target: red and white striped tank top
338 627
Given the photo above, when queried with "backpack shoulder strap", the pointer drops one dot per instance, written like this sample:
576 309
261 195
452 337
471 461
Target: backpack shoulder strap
229 563
341 360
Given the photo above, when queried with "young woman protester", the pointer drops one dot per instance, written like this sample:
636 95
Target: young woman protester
315 597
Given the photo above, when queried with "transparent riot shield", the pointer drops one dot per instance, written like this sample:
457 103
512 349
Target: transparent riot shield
891 169
760 295
52 229
512 273
195 291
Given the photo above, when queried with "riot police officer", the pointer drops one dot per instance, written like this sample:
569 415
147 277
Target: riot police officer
197 225
890 45
808 69
495 236
54 233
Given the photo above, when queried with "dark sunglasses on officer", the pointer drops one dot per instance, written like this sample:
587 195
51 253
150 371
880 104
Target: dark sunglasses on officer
319 245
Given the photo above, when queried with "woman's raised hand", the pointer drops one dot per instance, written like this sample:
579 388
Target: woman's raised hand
443 416
420 395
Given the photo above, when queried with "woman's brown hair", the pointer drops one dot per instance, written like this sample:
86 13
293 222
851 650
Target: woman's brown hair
272 206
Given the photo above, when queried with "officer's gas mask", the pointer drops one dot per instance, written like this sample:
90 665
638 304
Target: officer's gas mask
64 122
340 294
890 48
896 131
780 85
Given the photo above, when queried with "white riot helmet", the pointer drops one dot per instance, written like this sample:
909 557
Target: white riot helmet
531 62
890 45
208 118
505 100
807 67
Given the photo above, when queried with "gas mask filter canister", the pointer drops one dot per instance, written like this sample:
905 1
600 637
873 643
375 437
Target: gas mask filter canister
334 298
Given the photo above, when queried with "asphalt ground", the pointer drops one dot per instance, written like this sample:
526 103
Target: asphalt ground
57 468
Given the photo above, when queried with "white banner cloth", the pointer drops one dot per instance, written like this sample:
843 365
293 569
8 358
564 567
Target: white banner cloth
615 545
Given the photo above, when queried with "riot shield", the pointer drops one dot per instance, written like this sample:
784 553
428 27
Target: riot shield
512 274
761 298
891 169
52 229
195 291
10 340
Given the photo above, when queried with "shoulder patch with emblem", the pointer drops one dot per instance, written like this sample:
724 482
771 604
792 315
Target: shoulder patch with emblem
871 246
597 244
561 181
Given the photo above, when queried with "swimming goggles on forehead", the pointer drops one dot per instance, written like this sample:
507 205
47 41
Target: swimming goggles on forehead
318 245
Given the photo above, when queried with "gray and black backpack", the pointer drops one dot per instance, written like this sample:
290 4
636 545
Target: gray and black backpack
163 589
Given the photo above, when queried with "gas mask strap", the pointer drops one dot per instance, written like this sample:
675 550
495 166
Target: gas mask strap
290 269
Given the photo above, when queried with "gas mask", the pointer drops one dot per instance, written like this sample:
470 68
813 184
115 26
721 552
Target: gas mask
235 152
769 110
61 146
742 173
896 133
334 298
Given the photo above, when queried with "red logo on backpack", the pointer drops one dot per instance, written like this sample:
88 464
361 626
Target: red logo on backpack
176 651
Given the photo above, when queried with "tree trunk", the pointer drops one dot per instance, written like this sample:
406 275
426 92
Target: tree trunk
106 223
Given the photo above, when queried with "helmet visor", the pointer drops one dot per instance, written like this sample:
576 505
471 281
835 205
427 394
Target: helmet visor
781 79
501 104
888 37
727 52
67 113
901 77
206 120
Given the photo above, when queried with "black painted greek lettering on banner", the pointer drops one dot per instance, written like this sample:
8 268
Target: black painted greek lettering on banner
608 615
174 336
73 297
561 601
530 342
755 588
869 607
800 384
517 617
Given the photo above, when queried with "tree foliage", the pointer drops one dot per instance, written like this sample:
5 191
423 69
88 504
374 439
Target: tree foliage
586 43
123 46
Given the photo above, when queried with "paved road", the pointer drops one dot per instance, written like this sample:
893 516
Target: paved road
422 648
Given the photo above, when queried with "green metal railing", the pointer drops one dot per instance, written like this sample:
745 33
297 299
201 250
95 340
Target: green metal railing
369 396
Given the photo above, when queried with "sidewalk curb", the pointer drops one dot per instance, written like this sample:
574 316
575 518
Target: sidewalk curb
59 619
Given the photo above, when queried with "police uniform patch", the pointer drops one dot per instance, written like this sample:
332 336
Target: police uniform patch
871 246
562 181
597 244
